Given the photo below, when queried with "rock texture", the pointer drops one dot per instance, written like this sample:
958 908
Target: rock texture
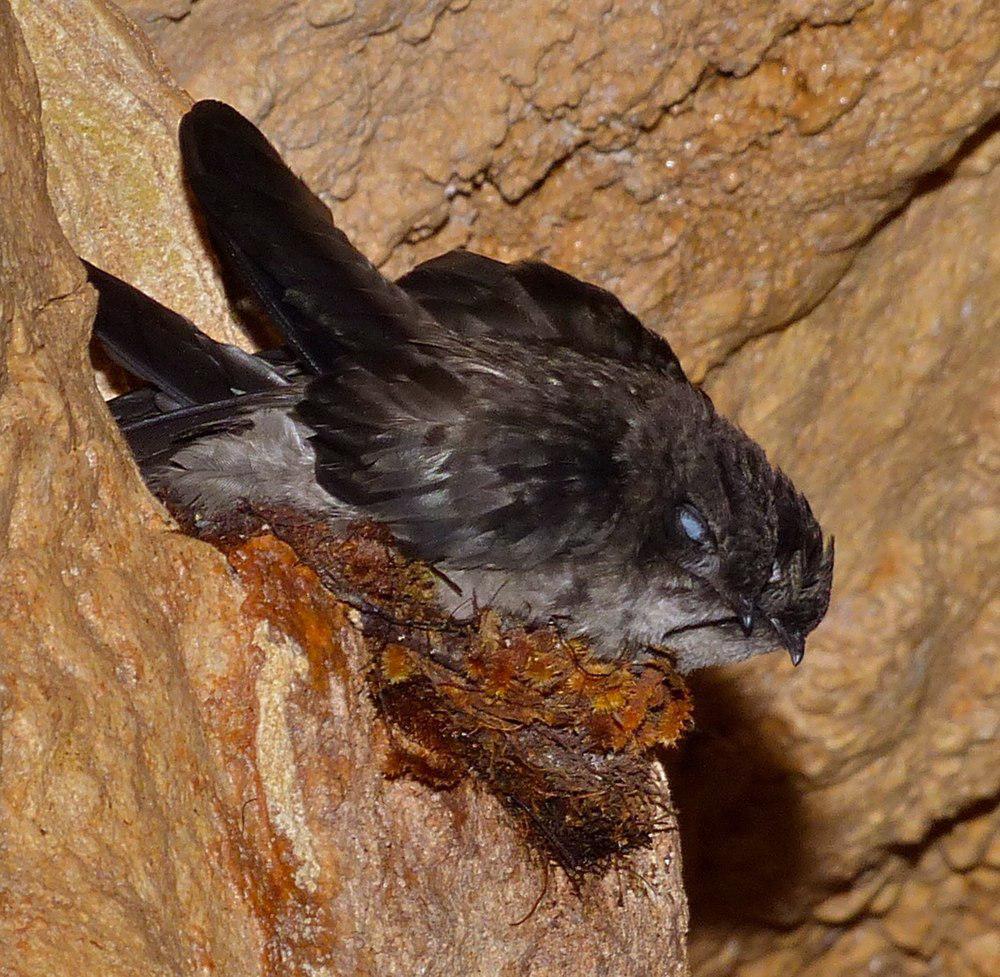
110 125
108 786
717 164
193 777
723 167
856 800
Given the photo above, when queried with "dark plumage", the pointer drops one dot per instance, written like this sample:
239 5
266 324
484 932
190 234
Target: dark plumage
510 423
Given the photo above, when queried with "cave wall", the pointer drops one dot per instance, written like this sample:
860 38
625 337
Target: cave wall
106 777
716 164
726 168
860 793
193 777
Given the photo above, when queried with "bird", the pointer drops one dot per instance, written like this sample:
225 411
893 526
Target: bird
511 425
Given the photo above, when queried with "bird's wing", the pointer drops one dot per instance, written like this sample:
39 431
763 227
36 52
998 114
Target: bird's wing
532 302
468 440
325 297
170 352
470 463
415 419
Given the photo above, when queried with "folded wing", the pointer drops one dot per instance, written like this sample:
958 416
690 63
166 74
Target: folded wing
533 303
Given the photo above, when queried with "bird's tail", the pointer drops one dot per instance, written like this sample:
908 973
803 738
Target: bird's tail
196 383
168 351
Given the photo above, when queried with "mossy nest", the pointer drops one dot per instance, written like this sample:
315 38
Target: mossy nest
560 736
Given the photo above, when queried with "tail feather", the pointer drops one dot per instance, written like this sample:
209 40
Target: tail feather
155 437
166 350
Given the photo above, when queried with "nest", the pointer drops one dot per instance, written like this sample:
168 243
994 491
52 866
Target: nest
560 736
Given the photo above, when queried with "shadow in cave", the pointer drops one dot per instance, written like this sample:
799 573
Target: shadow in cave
743 831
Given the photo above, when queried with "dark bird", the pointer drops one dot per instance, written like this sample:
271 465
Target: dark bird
513 426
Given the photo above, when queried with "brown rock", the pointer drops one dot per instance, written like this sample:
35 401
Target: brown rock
114 854
967 845
882 404
983 952
844 906
721 166
192 783
913 924
110 124
716 164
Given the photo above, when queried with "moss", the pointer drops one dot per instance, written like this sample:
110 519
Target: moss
560 736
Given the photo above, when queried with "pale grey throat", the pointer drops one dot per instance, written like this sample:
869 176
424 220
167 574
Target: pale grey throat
687 623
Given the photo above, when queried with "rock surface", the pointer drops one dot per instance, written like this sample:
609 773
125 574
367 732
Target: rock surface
721 166
108 786
717 164
855 800
110 114
193 775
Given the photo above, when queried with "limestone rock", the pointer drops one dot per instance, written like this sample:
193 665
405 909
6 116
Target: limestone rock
721 166
862 789
110 114
114 855
191 785
717 164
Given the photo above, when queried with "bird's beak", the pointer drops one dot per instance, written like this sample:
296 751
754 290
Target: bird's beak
793 641
745 613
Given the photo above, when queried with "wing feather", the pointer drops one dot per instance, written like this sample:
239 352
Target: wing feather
321 292
475 473
532 302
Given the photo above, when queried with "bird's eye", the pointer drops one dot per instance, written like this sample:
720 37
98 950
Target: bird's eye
692 524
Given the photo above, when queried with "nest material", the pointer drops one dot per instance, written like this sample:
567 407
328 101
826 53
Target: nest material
560 736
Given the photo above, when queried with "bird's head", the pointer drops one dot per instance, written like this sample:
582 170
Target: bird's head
797 593
732 560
